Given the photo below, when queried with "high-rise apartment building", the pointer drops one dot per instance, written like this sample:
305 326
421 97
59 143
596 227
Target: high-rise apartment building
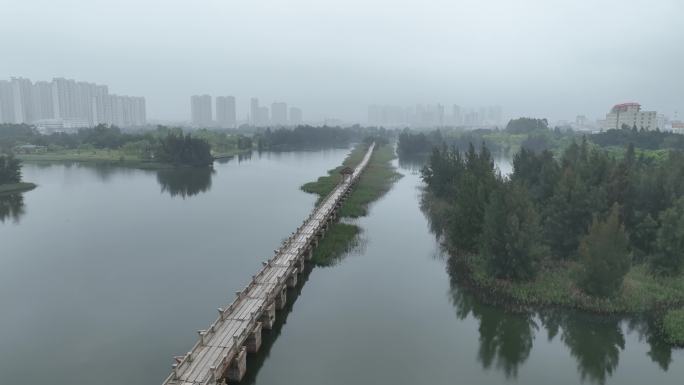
456 118
262 117
296 116
254 111
630 115
6 102
279 114
225 111
200 106
67 103
22 90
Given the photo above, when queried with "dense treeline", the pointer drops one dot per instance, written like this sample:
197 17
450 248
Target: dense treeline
422 143
164 145
647 140
100 137
532 134
10 169
183 150
526 125
585 207
308 137
303 137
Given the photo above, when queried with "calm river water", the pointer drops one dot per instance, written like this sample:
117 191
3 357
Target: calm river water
106 273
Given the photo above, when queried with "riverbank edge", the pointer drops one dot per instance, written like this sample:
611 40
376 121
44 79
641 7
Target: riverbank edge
12 188
374 182
554 287
126 163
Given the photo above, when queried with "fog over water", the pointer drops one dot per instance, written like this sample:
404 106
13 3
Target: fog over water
547 58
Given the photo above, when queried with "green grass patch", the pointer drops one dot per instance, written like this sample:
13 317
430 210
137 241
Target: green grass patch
375 181
325 184
673 327
340 239
16 187
112 157
641 291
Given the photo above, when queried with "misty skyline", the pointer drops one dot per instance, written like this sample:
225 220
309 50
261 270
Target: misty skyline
553 59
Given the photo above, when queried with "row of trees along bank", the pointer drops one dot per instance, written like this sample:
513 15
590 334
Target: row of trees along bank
589 214
164 145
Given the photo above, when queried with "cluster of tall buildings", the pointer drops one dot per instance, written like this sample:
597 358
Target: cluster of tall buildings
64 104
280 115
226 116
433 116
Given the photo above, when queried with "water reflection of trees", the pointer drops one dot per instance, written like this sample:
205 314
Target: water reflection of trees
661 352
11 207
413 162
595 342
506 338
186 181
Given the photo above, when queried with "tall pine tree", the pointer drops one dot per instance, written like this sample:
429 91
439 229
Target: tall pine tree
668 258
511 236
603 256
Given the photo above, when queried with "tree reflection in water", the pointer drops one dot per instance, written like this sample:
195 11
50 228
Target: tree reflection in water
185 181
595 341
506 338
661 351
11 207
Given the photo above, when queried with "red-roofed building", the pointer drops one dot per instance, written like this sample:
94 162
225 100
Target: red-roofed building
630 115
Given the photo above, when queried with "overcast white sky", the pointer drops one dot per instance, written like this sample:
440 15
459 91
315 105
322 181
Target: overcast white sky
544 58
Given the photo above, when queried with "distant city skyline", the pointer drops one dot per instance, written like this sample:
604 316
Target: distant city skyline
227 116
434 115
67 103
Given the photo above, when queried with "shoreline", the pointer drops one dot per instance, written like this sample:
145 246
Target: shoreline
13 188
126 163
553 288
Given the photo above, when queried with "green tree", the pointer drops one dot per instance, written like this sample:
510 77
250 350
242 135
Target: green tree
10 169
510 240
668 258
643 235
567 215
603 256
183 150
465 220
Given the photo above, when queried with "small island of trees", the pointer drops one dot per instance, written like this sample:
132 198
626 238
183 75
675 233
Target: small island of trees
586 229
10 175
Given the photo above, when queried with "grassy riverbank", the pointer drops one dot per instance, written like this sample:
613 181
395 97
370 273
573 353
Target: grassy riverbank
325 184
111 157
375 181
555 285
340 238
16 187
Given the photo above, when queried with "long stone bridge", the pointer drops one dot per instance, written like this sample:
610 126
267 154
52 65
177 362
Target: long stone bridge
220 354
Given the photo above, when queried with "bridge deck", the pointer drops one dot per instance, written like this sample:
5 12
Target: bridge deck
220 351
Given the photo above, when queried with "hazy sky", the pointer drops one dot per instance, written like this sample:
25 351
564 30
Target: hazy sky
545 58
